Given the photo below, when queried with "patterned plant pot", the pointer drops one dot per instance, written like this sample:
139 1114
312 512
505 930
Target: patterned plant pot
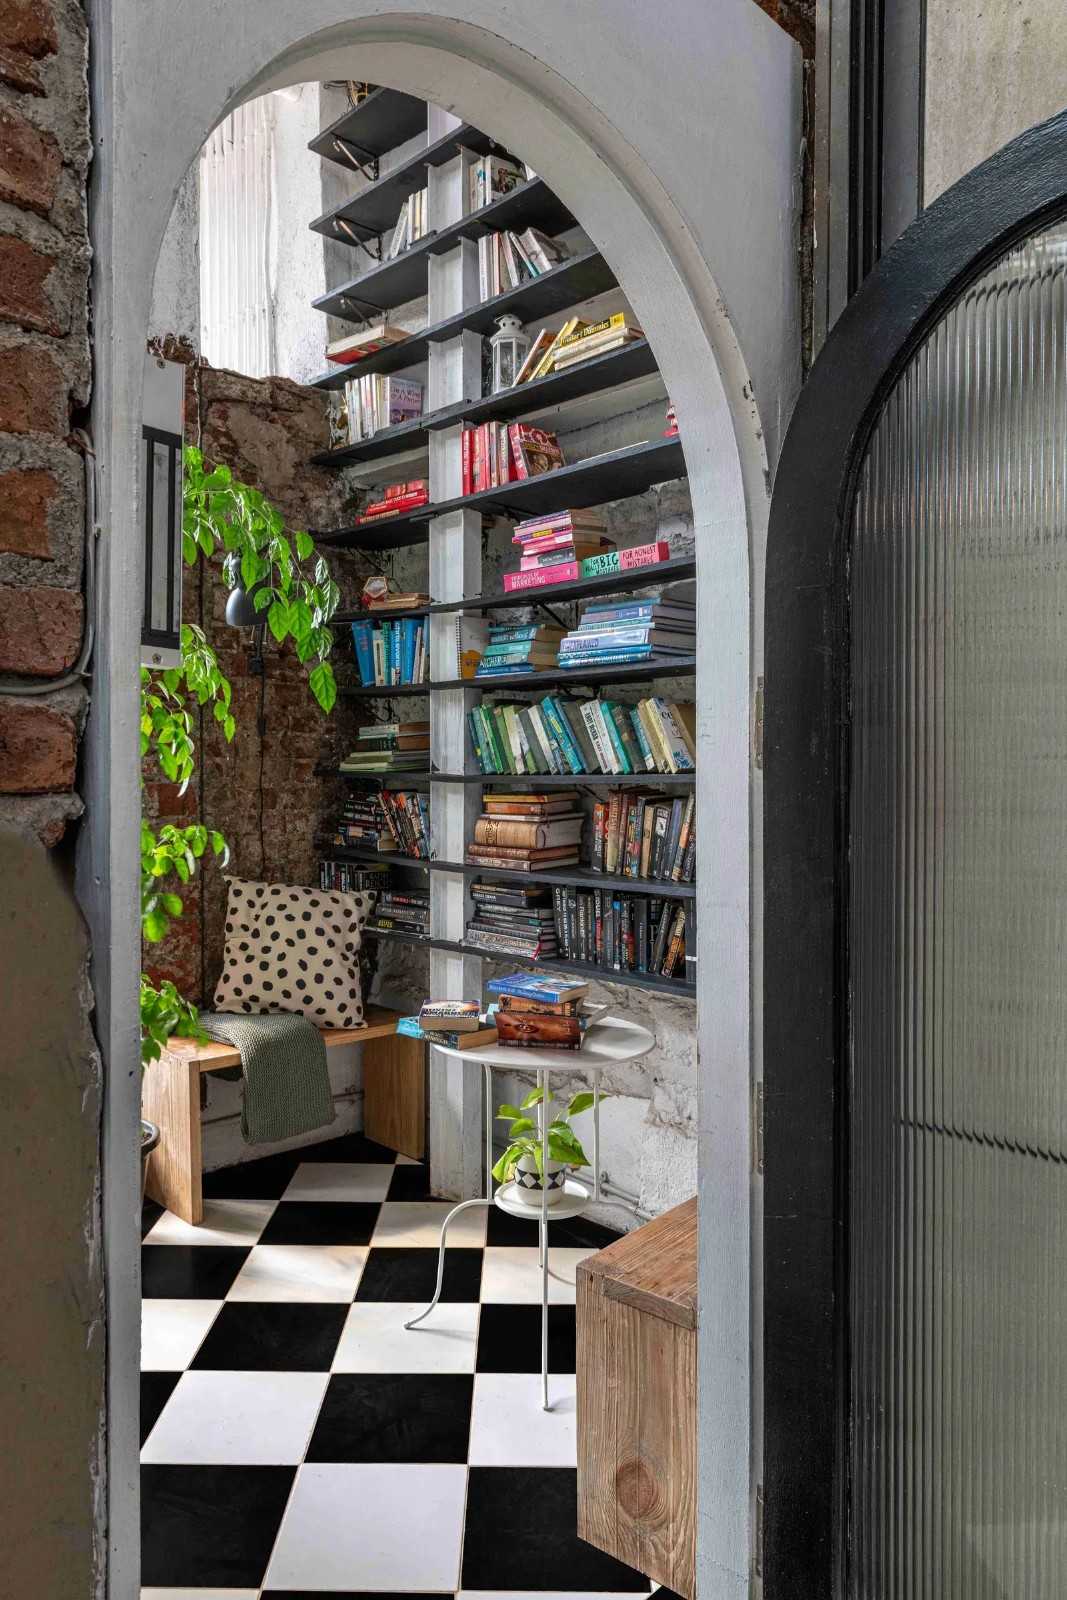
528 1184
149 1141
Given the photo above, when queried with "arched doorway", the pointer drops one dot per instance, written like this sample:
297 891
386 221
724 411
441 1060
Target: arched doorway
605 154
914 1157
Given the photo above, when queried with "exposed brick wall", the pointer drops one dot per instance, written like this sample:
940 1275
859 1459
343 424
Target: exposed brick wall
262 791
44 387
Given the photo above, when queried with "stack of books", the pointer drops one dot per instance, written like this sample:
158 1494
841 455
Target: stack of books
394 601
552 547
457 1024
507 260
623 932
515 648
363 825
352 877
391 652
358 346
497 453
602 560
644 836
512 919
617 632
407 814
385 747
402 911
567 736
378 401
556 349
411 224
525 831
398 500
539 1013
490 176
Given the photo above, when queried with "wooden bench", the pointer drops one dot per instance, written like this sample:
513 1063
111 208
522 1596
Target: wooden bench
637 1389
394 1103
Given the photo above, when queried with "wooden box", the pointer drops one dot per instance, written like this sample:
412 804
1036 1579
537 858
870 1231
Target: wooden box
637 1385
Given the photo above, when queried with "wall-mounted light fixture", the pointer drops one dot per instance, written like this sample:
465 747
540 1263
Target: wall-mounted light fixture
241 613
161 491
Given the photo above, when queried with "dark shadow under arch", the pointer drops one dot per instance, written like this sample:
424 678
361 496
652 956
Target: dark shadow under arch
1017 191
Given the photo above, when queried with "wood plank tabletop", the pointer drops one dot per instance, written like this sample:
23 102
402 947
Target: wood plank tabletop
653 1269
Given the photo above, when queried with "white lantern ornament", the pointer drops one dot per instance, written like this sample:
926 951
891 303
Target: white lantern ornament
510 348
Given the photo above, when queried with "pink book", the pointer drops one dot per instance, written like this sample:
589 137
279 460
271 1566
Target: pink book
567 572
533 527
643 554
553 541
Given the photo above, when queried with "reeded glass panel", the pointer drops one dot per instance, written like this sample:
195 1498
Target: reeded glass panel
958 950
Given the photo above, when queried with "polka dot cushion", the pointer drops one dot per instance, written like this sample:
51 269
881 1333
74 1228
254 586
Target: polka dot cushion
291 949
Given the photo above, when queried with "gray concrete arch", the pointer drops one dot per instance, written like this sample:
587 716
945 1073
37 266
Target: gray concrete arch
673 134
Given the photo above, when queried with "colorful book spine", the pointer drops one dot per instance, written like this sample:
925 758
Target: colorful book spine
566 572
643 555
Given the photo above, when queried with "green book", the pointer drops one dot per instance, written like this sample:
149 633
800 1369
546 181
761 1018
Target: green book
496 715
536 756
620 716
614 735
597 566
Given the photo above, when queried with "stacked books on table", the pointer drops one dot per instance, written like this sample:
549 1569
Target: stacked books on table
515 648
566 736
392 653
358 346
525 831
385 747
507 260
402 911
623 932
457 1024
621 631
399 500
512 919
352 877
378 401
411 224
539 1013
644 836
556 349
493 454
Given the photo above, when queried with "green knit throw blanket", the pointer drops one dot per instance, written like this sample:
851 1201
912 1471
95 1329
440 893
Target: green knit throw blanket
286 1079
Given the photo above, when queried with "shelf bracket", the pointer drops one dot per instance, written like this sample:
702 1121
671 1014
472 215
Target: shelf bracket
362 306
364 161
368 240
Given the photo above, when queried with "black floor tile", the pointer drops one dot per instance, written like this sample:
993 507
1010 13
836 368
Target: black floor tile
353 1594
393 1273
321 1222
271 1337
349 1147
189 1271
265 1179
522 1520
210 1527
394 1417
574 1234
150 1215
509 1338
411 1183
156 1390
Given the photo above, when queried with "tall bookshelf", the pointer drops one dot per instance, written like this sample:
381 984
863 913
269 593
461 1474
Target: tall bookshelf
443 266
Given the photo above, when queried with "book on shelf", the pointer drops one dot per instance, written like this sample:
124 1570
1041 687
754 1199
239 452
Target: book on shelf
396 820
411 224
623 932
602 634
358 346
561 736
486 1033
534 832
379 401
449 1016
507 260
514 649
644 837
493 454
595 564
595 339
406 601
398 500
352 877
401 911
491 176
527 986
389 654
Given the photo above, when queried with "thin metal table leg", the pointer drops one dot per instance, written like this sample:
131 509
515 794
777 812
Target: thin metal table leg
464 1205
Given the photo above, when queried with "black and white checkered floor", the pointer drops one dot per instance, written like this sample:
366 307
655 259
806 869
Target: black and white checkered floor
296 1440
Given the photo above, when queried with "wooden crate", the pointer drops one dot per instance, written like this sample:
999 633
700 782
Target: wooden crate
637 1385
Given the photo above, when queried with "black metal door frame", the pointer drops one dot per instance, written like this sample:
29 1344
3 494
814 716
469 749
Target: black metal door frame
806 731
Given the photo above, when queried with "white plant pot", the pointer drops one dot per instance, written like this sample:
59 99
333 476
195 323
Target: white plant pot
528 1186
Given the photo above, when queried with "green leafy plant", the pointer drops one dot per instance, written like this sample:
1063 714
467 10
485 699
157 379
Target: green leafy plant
524 1136
165 1012
172 852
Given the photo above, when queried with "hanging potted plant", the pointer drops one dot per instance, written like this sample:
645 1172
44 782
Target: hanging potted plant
523 1161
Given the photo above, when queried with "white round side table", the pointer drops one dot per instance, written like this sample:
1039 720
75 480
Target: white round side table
608 1042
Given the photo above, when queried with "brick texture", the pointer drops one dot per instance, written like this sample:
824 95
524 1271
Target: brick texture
40 630
38 748
19 72
30 162
24 297
33 392
26 499
28 26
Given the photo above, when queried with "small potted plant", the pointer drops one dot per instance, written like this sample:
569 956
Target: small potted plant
523 1160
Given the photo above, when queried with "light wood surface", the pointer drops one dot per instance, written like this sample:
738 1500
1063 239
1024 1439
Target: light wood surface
394 1071
394 1095
636 1377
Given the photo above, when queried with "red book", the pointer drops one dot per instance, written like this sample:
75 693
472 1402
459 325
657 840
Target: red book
465 461
643 555
516 454
566 572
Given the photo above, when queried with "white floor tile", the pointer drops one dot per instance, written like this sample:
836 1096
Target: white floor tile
340 1180
537 1594
511 1273
237 1419
234 1222
305 1272
172 1332
377 1527
207 1594
418 1223
509 1428
375 1339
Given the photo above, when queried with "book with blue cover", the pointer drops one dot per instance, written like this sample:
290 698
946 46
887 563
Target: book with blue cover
550 991
362 640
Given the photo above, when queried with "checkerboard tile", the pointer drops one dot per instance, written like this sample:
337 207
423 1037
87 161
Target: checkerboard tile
297 1440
